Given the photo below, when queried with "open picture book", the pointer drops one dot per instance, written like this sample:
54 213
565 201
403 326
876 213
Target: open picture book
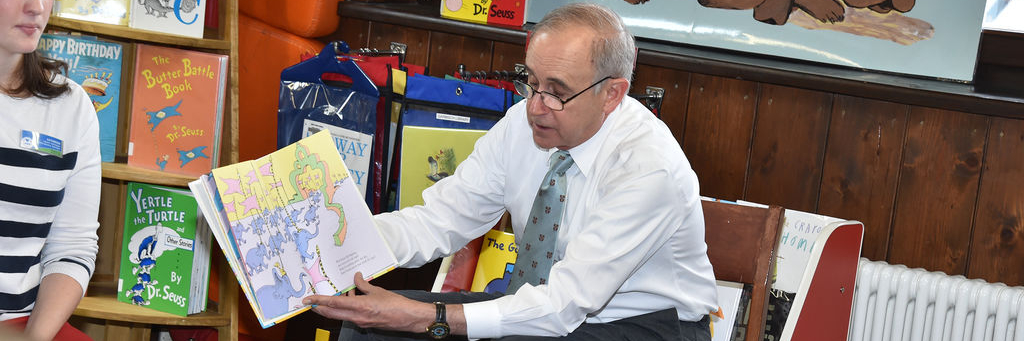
292 224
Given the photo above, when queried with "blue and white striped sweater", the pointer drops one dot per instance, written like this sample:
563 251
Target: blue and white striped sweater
48 204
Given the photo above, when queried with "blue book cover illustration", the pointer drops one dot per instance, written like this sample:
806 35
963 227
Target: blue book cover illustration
96 66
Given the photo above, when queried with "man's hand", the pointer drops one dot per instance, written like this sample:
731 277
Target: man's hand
375 308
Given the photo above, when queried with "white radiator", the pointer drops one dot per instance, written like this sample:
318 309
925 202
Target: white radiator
893 302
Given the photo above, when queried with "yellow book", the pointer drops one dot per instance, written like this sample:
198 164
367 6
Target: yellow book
114 12
490 12
496 262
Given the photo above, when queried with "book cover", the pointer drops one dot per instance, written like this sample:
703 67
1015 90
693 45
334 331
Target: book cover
176 111
354 145
96 66
491 12
293 224
496 262
799 232
433 145
180 17
114 12
165 252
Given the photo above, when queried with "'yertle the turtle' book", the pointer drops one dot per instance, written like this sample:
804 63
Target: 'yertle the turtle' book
165 252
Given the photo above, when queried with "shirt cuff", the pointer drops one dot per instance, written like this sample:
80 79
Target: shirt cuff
483 320
73 270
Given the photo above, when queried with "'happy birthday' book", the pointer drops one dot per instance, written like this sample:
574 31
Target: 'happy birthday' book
96 66
177 106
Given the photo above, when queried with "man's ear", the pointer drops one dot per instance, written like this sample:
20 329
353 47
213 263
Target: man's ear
614 90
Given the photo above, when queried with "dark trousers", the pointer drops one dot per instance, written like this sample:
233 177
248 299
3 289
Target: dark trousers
658 325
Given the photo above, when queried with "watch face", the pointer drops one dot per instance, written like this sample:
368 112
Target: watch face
439 330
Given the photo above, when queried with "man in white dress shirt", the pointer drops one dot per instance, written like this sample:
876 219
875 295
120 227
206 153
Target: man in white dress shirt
630 260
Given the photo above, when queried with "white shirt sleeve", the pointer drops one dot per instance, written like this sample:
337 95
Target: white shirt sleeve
71 246
456 209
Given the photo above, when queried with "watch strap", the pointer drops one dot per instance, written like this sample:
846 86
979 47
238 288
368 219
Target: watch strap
441 313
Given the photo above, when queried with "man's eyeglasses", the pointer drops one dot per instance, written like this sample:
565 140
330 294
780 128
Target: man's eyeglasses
549 99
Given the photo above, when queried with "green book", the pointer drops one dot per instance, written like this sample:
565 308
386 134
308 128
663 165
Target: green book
165 253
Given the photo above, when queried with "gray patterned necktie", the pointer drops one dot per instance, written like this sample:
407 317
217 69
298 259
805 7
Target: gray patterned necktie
537 246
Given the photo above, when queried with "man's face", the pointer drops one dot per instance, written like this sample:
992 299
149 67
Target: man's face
560 63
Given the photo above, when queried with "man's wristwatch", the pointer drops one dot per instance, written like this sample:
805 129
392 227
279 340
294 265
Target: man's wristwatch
439 329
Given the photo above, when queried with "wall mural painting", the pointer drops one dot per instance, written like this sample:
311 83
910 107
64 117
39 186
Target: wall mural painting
882 19
930 38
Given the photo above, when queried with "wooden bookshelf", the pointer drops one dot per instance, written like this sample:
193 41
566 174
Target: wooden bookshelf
104 317
138 35
120 171
107 307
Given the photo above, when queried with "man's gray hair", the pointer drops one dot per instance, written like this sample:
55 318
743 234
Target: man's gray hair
614 50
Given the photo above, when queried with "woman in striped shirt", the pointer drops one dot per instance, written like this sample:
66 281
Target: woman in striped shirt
49 181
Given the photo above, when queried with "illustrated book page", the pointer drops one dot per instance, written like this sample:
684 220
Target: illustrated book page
296 226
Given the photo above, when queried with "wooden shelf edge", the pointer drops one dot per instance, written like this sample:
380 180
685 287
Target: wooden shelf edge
107 307
137 34
124 172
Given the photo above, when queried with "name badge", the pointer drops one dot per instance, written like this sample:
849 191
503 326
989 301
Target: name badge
42 143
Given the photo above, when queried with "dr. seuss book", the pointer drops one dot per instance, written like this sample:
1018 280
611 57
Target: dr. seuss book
496 261
177 105
114 12
96 66
180 17
165 253
292 224
491 12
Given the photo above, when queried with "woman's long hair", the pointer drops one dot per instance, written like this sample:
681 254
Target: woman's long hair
36 74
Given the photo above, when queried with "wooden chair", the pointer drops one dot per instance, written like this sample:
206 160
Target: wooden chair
741 246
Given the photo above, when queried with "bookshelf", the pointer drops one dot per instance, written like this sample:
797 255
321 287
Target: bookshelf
99 310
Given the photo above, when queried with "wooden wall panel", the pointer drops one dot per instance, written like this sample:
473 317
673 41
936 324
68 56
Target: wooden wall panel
717 134
998 241
447 51
862 164
913 175
676 84
938 188
505 56
788 147
417 41
355 32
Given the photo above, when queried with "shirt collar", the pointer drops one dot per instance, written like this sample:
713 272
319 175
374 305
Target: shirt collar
584 155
